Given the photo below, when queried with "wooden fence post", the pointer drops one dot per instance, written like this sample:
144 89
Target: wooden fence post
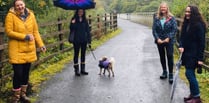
61 34
111 19
98 20
98 26
90 23
115 21
105 24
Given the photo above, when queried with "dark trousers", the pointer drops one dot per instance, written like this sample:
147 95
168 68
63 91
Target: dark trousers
21 74
77 47
166 50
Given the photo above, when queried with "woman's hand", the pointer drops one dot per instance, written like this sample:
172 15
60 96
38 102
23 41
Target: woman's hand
159 41
43 49
73 21
31 37
181 50
200 62
166 40
89 45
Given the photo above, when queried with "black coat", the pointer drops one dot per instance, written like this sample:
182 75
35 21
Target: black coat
193 41
82 32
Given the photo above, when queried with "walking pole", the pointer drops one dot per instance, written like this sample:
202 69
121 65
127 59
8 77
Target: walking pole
92 52
178 66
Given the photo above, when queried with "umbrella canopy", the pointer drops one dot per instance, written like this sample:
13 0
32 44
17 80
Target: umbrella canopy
75 4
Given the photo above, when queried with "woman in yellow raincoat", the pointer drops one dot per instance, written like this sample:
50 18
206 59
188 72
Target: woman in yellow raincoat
22 31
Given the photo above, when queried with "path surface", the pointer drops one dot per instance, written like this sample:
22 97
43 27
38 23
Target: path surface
136 80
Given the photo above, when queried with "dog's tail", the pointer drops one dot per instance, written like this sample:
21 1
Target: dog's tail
112 61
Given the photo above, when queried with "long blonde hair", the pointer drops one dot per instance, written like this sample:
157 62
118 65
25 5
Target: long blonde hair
168 14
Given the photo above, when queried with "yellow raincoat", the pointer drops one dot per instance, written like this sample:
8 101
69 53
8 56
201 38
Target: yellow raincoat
20 50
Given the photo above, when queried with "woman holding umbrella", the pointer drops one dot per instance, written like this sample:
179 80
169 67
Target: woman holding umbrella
80 29
192 44
82 37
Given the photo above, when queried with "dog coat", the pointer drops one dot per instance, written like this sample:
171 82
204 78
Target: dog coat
104 64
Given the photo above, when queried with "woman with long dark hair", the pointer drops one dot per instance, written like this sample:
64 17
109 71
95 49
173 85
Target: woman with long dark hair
192 44
164 30
82 38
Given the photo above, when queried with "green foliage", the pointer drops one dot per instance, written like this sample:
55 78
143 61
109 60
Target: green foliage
115 5
178 7
129 6
153 6
5 4
205 8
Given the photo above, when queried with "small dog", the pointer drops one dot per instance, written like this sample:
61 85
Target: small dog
106 64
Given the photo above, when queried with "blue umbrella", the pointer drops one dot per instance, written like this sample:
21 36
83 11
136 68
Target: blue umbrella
75 4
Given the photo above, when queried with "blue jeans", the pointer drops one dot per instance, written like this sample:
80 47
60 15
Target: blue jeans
193 83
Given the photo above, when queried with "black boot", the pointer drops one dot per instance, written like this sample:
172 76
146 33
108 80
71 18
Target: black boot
83 70
164 75
170 78
76 70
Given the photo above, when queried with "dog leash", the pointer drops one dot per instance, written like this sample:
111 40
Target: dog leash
92 52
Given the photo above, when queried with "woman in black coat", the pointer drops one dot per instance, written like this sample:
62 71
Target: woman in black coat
82 38
192 44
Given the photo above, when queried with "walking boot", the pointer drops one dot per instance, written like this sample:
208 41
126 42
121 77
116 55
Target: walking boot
170 78
76 69
188 98
83 69
164 75
194 100
23 96
16 96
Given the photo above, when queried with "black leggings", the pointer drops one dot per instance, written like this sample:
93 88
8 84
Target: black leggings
21 74
77 47
166 49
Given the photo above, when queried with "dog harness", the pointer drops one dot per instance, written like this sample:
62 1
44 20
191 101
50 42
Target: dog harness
104 64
